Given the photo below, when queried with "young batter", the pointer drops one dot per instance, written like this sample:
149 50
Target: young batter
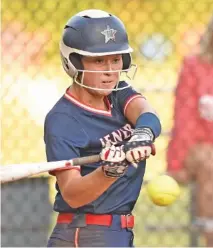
98 114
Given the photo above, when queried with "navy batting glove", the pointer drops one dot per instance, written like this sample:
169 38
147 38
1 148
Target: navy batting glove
140 146
114 170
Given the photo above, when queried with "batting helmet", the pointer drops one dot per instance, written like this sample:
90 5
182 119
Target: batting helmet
93 33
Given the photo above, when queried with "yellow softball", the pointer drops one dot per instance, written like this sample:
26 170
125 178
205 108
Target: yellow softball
163 190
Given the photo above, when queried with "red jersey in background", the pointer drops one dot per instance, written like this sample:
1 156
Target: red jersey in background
195 81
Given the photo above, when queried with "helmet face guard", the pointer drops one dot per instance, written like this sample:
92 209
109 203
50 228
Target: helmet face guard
117 88
93 33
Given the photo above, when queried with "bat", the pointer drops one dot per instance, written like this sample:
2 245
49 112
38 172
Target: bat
15 172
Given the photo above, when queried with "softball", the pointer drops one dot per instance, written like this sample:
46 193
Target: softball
163 190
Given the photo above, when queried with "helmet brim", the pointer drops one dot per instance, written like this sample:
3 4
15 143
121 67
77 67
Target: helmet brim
118 49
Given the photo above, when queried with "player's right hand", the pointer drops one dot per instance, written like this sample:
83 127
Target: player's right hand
140 146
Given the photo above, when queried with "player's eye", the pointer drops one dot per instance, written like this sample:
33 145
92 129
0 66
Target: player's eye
99 61
116 60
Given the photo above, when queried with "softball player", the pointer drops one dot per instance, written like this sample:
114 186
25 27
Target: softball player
98 114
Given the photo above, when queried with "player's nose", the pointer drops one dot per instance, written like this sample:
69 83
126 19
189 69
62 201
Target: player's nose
108 68
108 65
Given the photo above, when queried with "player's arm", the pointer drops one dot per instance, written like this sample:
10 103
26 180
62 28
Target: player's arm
63 143
142 115
147 128
78 190
136 108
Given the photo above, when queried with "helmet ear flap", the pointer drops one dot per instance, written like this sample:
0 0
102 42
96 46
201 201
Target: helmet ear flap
65 62
126 61
75 59
68 66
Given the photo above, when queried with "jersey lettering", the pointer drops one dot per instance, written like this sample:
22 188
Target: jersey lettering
117 136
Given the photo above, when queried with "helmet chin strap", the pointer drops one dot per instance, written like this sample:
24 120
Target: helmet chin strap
81 83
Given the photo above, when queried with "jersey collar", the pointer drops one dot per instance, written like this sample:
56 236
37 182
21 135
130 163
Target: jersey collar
89 108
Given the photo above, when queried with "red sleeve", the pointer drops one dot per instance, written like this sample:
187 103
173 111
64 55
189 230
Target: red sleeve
185 118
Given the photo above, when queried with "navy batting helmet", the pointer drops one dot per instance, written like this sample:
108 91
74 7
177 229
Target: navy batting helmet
93 33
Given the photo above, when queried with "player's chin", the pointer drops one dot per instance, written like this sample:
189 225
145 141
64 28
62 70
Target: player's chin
103 92
106 93
107 87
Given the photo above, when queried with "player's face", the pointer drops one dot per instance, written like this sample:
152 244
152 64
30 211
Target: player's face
102 80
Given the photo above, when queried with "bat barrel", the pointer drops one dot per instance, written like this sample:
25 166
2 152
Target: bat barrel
15 172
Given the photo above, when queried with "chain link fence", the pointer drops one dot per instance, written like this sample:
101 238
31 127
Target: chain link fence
161 33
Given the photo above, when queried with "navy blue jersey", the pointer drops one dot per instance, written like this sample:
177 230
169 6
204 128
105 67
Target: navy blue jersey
73 129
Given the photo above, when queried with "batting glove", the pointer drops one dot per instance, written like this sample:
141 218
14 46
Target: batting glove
113 154
114 170
114 161
140 146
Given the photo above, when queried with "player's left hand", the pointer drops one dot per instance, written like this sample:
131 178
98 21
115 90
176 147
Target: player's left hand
114 170
113 154
140 146
114 163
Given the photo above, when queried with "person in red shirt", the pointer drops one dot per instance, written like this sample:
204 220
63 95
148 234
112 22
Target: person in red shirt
190 150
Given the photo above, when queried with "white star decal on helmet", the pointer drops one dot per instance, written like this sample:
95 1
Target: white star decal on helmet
109 34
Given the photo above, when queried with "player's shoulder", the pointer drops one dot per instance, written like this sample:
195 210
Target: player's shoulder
60 106
123 96
60 115
123 87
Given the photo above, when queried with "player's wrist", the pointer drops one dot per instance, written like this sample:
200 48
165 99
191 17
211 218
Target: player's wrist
114 170
150 121
102 175
141 146
141 134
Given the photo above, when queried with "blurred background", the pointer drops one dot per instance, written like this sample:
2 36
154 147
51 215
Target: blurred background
161 33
